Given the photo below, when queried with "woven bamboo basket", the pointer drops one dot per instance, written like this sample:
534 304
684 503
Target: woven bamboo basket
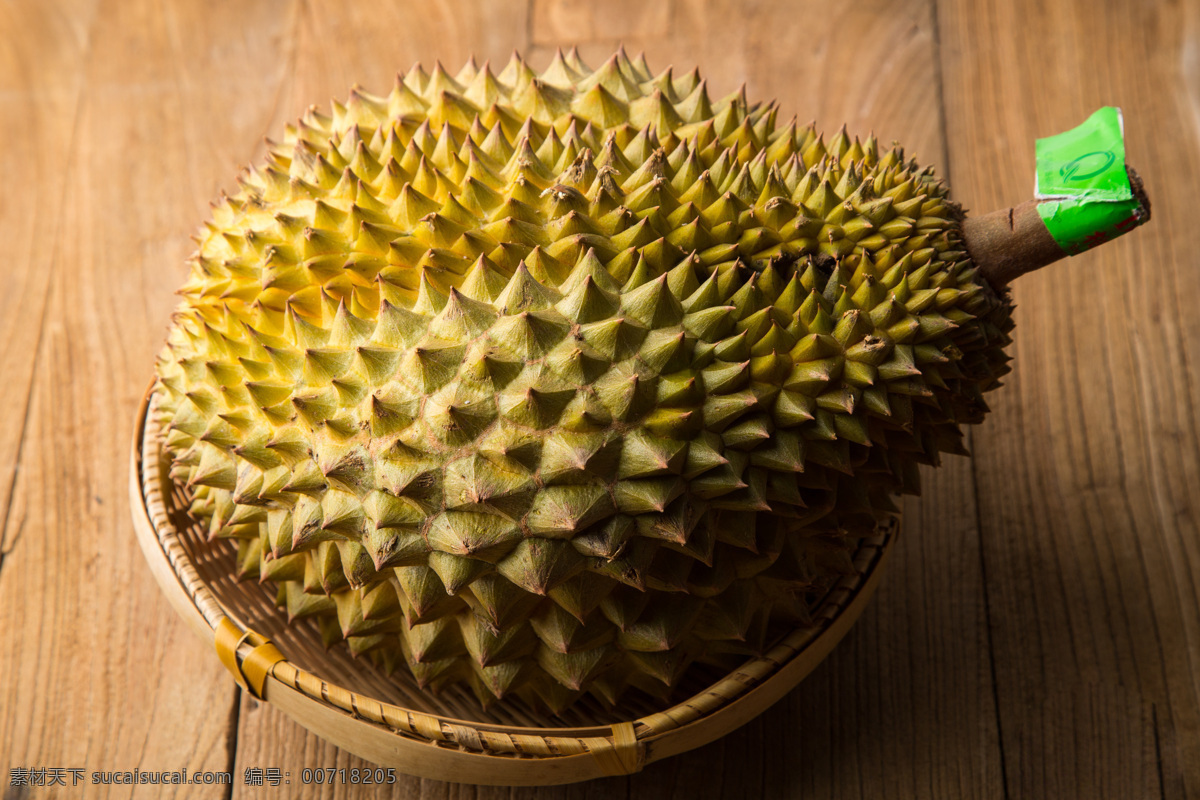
448 736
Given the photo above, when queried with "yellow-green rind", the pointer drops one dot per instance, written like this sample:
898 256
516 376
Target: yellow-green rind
554 384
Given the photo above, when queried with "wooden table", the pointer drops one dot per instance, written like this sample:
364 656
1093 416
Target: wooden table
1038 635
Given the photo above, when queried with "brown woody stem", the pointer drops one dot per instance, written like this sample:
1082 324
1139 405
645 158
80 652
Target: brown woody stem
1008 243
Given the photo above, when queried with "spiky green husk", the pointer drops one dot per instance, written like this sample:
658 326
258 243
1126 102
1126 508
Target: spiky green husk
555 384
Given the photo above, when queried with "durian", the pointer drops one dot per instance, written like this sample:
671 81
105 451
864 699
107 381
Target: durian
555 384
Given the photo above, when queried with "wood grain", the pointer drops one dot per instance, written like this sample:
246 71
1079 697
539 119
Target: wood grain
1039 632
42 125
1089 466
100 674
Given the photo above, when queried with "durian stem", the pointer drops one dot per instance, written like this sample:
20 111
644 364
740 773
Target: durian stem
1008 243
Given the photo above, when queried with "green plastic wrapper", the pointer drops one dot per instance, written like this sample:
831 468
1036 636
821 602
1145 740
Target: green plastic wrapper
1082 183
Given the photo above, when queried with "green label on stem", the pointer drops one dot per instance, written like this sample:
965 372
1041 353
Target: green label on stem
1082 183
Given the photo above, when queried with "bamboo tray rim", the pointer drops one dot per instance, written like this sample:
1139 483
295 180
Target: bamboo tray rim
448 748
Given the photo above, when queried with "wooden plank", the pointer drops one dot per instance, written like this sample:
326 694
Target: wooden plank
909 711
904 707
111 100
40 123
387 38
1089 465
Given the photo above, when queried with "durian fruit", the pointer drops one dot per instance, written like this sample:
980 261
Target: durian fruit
554 384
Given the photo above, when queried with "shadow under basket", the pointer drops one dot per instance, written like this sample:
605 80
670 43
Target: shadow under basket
448 736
